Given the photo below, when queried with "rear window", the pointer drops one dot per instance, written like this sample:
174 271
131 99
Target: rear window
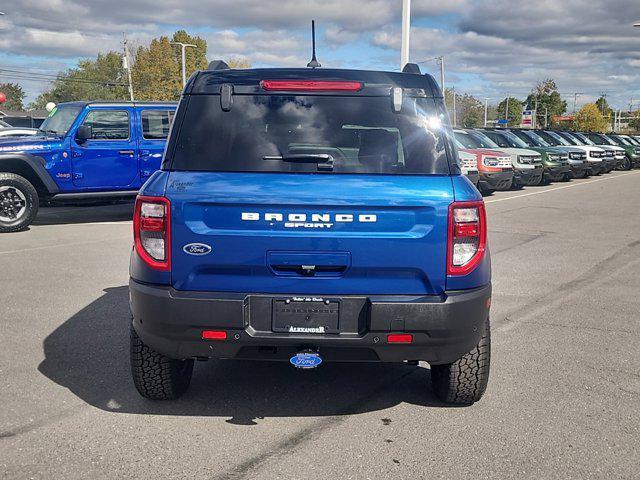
156 123
285 133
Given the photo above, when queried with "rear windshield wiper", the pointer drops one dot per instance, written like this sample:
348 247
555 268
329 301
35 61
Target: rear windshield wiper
323 160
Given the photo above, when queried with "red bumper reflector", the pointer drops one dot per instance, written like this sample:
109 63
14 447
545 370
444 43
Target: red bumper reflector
400 338
214 335
311 85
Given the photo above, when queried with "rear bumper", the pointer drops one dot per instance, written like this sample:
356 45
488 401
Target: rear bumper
496 180
444 327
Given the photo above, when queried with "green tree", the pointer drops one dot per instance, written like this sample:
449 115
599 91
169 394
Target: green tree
514 115
604 107
547 99
590 119
157 71
634 123
15 96
99 79
237 62
469 110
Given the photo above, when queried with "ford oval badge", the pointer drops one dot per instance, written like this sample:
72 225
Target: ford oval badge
305 360
197 249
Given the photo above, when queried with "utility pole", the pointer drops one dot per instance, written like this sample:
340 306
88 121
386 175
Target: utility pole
406 30
604 100
126 64
486 109
441 63
183 47
535 115
455 122
546 113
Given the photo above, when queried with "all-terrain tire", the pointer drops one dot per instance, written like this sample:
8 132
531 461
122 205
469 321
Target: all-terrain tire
155 376
464 381
16 193
625 165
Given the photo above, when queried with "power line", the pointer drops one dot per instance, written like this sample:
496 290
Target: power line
29 75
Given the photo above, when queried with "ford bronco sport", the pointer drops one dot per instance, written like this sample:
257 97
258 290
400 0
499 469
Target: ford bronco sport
310 215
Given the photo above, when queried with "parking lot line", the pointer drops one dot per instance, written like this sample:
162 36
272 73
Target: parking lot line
561 187
62 245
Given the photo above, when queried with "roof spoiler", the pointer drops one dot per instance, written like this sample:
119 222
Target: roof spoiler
411 68
218 65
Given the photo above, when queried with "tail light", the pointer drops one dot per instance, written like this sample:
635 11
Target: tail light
152 231
467 239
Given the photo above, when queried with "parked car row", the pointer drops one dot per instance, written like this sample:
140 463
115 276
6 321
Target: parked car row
505 158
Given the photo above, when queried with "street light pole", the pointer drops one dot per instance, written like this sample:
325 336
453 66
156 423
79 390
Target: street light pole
486 109
183 47
406 30
455 119
441 62
506 110
575 100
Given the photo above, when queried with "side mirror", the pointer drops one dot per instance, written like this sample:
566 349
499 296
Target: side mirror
84 133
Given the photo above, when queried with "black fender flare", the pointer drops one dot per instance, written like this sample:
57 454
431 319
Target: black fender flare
35 164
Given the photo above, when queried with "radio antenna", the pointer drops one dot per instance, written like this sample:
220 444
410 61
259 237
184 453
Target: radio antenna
313 63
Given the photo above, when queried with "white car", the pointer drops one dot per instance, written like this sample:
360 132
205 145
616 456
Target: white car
596 156
527 163
11 132
468 164
613 153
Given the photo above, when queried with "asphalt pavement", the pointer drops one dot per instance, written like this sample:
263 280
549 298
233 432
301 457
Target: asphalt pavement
562 402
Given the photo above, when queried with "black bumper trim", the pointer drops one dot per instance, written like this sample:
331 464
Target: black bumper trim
444 327
496 180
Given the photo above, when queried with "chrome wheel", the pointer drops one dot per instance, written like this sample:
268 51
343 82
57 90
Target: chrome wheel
13 204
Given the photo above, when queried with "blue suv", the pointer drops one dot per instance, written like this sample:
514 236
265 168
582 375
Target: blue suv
84 151
310 215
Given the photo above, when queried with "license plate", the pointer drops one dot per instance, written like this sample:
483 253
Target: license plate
305 315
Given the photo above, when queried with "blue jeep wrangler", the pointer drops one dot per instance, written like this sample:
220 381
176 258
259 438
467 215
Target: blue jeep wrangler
83 151
310 215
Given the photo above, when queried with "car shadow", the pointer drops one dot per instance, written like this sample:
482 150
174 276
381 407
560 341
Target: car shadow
85 213
88 354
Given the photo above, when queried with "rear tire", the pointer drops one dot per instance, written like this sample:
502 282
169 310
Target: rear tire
464 381
18 203
155 376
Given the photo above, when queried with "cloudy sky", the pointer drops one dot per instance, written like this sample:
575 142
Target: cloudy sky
490 47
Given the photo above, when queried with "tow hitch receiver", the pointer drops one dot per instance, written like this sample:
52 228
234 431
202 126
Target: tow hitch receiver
306 360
